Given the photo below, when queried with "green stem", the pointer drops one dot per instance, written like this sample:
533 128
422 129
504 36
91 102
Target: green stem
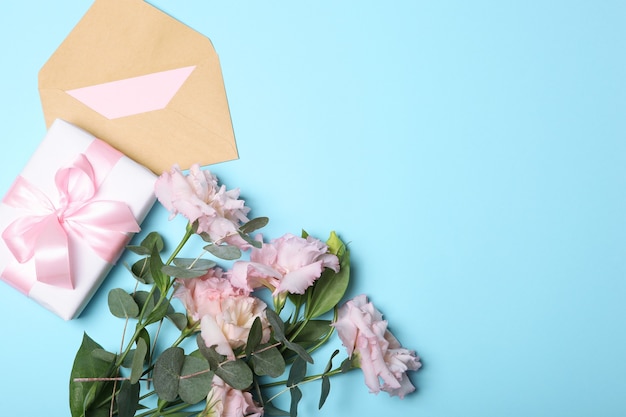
304 381
188 233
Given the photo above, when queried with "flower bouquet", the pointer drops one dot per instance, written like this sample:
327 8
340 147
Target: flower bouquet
248 332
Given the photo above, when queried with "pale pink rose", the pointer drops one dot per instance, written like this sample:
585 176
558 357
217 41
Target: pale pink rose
289 264
364 333
204 295
225 401
230 327
197 196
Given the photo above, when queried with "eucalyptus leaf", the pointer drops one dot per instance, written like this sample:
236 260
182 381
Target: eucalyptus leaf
299 350
325 391
329 365
251 241
153 240
159 312
296 396
143 297
166 373
277 324
271 410
86 365
254 336
195 380
209 353
127 399
179 320
138 360
254 224
183 273
195 263
122 304
278 327
226 252
139 250
268 362
297 372
141 271
235 373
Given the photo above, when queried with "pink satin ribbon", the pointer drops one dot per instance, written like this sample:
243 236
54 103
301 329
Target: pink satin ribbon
42 234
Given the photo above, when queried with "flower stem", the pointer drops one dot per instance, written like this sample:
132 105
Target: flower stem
310 378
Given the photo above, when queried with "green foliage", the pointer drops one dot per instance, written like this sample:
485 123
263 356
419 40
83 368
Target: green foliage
226 252
269 362
254 225
195 380
100 388
122 305
128 399
83 394
330 288
167 373
188 268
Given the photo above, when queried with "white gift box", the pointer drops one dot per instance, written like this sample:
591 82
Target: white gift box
68 217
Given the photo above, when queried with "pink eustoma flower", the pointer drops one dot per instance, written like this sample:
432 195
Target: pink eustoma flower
225 401
289 264
197 196
364 333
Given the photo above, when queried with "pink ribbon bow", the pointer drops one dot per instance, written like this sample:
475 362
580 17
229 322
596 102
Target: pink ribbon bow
43 233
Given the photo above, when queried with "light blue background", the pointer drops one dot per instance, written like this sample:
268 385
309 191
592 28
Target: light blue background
473 153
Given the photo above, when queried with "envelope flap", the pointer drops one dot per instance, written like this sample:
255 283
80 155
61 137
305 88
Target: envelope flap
143 82
119 39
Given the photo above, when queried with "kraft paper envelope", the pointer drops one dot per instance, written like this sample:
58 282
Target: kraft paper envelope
145 83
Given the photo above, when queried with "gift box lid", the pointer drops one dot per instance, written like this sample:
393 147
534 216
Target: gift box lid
143 82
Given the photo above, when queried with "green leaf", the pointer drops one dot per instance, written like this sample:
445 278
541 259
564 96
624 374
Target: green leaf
329 365
183 273
335 245
195 263
143 297
278 327
254 336
235 373
195 380
251 241
141 271
127 399
159 313
296 396
179 320
313 332
297 372
156 264
329 289
166 373
209 353
86 365
226 252
325 391
277 324
103 355
138 360
153 239
270 410
268 362
122 304
254 224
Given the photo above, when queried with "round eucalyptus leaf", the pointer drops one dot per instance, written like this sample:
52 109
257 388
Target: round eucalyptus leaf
122 304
